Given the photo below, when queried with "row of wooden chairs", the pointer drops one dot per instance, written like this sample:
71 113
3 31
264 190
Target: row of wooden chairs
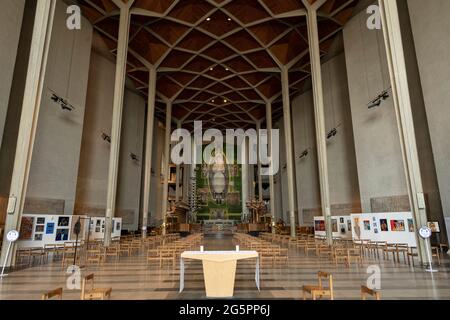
171 252
268 252
88 291
324 289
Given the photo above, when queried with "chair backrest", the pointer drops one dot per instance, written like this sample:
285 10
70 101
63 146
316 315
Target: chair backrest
366 291
325 275
86 280
52 294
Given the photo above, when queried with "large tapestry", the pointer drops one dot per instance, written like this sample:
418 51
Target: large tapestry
219 188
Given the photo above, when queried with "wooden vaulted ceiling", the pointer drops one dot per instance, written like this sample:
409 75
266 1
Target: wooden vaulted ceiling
219 60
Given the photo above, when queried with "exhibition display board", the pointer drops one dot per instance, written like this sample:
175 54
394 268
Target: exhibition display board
395 227
341 226
97 228
36 230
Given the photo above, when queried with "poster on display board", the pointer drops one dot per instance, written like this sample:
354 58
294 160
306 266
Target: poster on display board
40 230
396 227
340 225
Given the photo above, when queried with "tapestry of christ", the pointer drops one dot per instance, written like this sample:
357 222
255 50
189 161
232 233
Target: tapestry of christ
219 190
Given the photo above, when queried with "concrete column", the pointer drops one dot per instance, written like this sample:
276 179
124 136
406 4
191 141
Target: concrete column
244 167
119 89
178 173
316 73
289 151
402 104
166 163
149 149
37 65
192 178
260 189
271 177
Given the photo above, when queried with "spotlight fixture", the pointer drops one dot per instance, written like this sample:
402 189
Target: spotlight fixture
332 133
106 138
225 101
65 105
134 157
227 69
211 69
212 101
229 19
208 19
304 154
379 99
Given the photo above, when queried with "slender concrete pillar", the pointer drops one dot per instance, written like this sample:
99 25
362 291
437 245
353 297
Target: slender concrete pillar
166 172
289 152
271 177
119 89
260 188
192 182
34 85
178 175
402 104
148 149
316 73
245 179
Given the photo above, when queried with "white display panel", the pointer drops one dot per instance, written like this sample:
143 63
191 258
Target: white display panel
97 228
395 227
341 227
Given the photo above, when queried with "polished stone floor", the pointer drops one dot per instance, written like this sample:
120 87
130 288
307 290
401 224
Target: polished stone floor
133 278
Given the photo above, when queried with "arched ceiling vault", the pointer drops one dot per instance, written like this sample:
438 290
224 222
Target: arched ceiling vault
219 60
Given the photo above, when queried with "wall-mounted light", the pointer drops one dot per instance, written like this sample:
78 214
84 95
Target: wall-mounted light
106 138
64 104
379 99
304 154
332 133
134 157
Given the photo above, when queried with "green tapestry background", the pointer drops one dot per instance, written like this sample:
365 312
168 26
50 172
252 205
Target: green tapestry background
231 206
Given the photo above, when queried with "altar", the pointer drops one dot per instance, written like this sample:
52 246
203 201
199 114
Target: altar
219 269
218 227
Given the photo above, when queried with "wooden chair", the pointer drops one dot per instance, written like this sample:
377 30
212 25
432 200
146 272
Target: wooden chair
301 244
125 247
153 255
412 252
310 246
266 256
93 293
57 293
340 254
320 291
435 253
389 248
166 254
354 255
369 292
280 255
37 253
112 251
325 251
24 253
95 256
403 249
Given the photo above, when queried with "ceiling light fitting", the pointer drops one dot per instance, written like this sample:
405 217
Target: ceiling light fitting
379 99
106 138
65 105
304 154
134 157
